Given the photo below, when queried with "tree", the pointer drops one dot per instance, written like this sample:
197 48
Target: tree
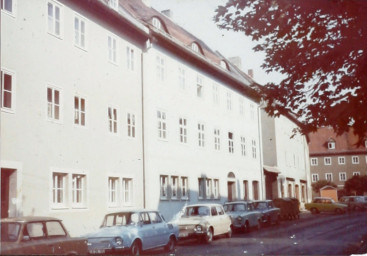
320 184
320 46
357 184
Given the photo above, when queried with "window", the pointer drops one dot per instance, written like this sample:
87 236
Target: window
162 126
252 112
253 143
215 88
156 23
356 173
195 47
241 105
112 49
216 189
184 188
341 160
201 138
59 181
183 130
127 185
329 176
199 87
79 111
79 32
164 187
223 64
314 162
208 188
78 190
130 58
53 103
160 68
7 6
181 78
112 119
54 229
217 139
201 184
7 90
114 4
315 177
327 161
342 176
130 125
245 190
174 187
243 146
113 184
229 101
355 160
230 143
54 18
331 145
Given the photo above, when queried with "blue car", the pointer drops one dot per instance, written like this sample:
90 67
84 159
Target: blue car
132 232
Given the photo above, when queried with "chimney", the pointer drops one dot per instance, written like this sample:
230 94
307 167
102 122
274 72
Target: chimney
167 12
236 61
147 3
250 73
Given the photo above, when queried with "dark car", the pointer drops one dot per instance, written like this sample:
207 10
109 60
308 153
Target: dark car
354 202
270 213
289 207
38 236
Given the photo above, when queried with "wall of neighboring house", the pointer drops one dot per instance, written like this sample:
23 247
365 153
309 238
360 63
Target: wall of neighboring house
62 164
168 159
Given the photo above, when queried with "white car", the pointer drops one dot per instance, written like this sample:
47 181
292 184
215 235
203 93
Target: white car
203 222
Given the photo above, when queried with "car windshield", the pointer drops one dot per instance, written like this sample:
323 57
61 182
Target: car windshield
121 219
235 207
9 232
261 205
197 211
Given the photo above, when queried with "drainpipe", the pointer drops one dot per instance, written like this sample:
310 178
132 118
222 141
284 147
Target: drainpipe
260 150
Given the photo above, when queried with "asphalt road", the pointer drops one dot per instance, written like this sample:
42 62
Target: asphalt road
320 234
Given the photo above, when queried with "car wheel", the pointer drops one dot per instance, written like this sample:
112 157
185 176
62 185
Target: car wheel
171 245
209 236
314 211
135 248
229 233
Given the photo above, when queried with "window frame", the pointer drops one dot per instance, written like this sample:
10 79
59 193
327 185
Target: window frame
184 186
174 187
329 174
130 58
229 100
127 189
80 36
341 160
208 188
182 123
315 177
131 125
163 181
199 86
201 188
341 176
182 78
216 194
326 162
216 94
51 24
243 146
55 203
314 161
201 134
112 48
113 4
160 63
216 139
12 91
53 104
331 145
12 13
113 121
162 125
80 112
113 191
355 159
75 190
253 149
231 142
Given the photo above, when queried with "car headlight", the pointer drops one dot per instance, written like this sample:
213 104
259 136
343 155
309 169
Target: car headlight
118 241
199 228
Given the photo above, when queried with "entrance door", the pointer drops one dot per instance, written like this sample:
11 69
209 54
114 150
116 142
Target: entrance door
8 191
231 191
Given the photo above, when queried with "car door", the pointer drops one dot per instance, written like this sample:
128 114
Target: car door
252 216
215 221
36 236
224 222
147 231
159 229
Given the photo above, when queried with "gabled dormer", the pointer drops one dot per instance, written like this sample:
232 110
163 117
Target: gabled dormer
331 144
196 48
158 23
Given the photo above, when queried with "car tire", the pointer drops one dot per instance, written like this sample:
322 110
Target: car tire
314 211
208 238
135 248
171 245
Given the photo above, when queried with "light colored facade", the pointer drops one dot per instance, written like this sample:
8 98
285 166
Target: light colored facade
71 116
286 161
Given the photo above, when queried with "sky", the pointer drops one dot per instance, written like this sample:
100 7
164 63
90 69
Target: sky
196 16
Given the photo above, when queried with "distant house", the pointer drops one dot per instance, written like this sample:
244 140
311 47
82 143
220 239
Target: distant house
336 158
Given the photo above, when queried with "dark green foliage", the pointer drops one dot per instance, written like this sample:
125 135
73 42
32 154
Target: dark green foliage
357 184
320 184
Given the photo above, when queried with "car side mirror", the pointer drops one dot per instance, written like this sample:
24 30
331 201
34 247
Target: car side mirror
26 238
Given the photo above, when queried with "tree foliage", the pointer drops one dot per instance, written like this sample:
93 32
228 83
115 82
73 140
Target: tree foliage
320 46
320 184
357 184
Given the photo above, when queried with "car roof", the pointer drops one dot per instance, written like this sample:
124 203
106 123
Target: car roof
203 204
267 200
239 202
29 219
132 210
322 197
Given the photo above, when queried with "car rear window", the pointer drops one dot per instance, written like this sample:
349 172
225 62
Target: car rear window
9 232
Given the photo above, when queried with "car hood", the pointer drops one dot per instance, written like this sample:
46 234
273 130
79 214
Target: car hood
192 220
111 231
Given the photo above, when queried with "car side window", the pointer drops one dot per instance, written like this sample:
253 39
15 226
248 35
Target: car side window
214 211
220 210
109 220
154 217
54 228
35 230
145 218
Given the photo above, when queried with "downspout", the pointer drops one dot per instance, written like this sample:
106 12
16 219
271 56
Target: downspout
260 150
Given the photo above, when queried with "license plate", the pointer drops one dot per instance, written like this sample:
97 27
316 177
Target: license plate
97 251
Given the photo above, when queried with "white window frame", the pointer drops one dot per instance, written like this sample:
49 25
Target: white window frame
314 161
208 188
130 58
164 187
331 145
80 113
231 142
252 112
327 161
356 173
229 100
11 12
355 159
199 86
160 68
174 187
315 177
54 23
112 47
113 4
182 78
80 32
195 47
53 106
216 94
113 191
201 135
157 23
127 191
12 90
131 125
327 175
78 190
342 176
57 187
217 139
253 147
201 188
243 146
184 188
341 160
113 123
182 122
162 125
216 189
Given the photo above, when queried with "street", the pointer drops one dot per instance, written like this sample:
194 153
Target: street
321 234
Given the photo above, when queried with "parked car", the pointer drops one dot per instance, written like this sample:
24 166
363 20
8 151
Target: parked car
203 222
270 213
132 232
354 202
289 207
325 204
243 215
38 236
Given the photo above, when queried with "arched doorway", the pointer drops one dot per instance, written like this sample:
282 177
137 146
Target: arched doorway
231 185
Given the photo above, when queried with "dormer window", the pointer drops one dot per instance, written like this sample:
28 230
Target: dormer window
157 23
223 64
195 47
331 145
114 4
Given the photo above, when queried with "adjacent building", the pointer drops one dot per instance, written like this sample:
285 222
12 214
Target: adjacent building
336 158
